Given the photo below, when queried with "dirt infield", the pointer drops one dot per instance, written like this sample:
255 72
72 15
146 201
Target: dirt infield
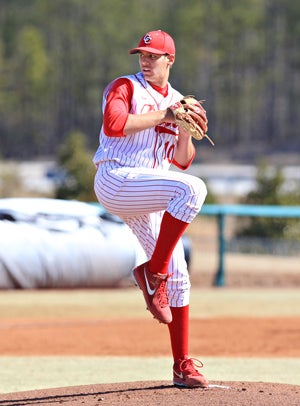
224 323
161 393
226 336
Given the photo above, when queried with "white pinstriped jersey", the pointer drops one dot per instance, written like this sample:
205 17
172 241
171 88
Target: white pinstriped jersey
133 182
150 148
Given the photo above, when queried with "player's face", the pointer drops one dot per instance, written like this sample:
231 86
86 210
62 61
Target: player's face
156 68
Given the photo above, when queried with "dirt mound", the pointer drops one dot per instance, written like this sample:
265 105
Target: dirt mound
161 393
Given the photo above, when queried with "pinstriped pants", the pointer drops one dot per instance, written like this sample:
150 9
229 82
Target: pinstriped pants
140 196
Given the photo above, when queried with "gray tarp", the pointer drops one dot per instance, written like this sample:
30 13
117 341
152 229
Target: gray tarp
48 243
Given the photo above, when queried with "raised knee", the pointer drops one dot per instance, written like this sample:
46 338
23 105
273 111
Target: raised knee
200 193
202 187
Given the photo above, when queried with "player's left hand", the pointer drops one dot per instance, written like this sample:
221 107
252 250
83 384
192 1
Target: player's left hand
190 117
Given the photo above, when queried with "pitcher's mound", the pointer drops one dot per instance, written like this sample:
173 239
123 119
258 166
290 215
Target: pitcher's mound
160 393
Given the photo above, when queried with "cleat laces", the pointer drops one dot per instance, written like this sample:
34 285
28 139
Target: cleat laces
162 294
188 366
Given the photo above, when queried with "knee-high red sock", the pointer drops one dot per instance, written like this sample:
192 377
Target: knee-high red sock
171 230
179 331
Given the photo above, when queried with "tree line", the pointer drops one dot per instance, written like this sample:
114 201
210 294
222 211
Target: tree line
56 57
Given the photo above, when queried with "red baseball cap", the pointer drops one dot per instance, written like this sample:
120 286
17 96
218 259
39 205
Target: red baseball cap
156 42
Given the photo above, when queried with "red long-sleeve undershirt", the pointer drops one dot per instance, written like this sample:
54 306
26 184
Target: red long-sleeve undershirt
117 107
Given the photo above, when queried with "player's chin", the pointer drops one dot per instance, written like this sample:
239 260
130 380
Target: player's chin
148 75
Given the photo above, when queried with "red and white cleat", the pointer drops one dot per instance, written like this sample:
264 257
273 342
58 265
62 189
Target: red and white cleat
186 375
154 290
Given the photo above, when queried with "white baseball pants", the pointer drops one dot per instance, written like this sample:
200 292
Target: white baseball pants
140 196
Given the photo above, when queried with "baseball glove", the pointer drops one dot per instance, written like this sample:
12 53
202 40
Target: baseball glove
190 116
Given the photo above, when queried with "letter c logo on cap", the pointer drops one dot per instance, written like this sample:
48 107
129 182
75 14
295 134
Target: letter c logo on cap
147 39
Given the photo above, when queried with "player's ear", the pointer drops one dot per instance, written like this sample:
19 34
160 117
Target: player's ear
171 59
